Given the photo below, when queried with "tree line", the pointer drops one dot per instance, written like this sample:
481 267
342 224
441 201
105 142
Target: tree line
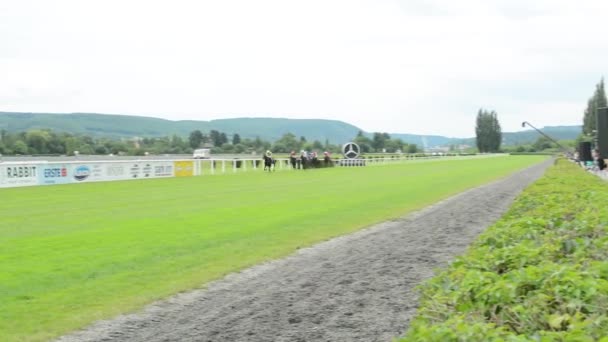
48 142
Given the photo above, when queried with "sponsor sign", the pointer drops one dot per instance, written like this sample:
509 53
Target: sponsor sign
351 150
18 175
82 172
152 169
88 173
162 169
115 171
134 170
184 168
55 174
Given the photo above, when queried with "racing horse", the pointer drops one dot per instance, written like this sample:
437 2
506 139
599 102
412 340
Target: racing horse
269 163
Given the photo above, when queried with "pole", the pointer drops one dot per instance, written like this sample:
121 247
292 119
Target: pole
523 124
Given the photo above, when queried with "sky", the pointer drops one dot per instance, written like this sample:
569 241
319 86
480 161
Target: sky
410 66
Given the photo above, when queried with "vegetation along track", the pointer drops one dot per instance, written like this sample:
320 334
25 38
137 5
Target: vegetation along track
358 287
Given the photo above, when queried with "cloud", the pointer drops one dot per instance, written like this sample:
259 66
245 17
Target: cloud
421 66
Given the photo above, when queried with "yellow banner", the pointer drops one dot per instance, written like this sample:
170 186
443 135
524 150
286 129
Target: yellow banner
184 168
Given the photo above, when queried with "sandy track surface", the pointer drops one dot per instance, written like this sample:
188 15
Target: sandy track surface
358 287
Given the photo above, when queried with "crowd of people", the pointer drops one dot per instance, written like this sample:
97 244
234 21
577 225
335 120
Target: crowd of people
596 164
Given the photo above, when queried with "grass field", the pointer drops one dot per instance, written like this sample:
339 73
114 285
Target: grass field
72 254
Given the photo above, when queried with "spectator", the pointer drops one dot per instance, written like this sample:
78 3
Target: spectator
598 161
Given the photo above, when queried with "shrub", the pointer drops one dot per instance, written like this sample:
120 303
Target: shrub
539 274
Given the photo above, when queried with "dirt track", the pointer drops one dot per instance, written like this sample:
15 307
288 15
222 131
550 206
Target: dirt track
358 287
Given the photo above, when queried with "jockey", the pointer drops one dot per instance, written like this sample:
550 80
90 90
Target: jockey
292 159
268 154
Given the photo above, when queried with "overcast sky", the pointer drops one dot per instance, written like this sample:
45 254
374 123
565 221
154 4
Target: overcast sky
411 66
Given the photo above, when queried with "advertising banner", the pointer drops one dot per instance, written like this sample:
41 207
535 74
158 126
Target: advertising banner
87 172
184 168
97 172
162 169
54 174
150 169
12 175
43 173
115 171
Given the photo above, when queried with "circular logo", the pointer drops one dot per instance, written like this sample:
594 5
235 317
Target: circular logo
351 150
81 173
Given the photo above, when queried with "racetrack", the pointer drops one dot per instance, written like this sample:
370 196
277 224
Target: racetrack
358 287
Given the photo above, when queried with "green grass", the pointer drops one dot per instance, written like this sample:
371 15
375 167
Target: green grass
72 254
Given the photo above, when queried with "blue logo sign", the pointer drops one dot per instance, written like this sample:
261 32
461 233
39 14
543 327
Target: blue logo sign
81 173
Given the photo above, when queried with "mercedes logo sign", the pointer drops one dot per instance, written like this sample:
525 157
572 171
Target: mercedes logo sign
350 150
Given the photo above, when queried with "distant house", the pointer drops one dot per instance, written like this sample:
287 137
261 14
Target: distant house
136 141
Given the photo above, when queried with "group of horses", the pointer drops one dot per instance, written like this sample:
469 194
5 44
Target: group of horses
304 161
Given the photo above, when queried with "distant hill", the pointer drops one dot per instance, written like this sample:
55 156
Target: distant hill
530 136
126 126
425 140
337 132
555 132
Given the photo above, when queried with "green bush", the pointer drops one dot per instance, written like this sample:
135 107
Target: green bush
539 274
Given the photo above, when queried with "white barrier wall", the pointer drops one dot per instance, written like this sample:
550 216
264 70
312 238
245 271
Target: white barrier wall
43 173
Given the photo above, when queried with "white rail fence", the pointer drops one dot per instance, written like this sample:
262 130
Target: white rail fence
17 174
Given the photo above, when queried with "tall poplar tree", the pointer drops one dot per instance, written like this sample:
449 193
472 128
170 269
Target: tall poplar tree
598 100
488 131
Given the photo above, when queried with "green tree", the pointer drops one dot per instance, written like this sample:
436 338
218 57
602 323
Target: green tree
37 141
20 147
488 132
393 145
216 138
56 143
178 144
239 148
287 143
317 145
236 139
195 139
223 138
379 140
364 142
598 100
227 147
86 149
543 143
